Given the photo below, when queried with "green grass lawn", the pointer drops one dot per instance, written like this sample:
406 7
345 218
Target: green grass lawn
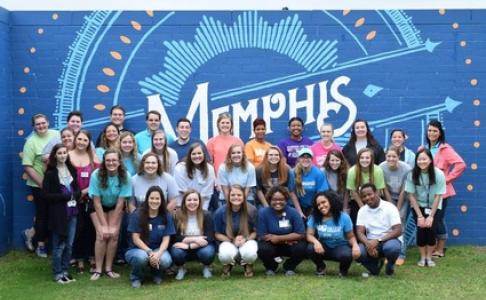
461 274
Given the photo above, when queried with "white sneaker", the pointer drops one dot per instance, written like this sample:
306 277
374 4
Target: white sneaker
421 263
181 273
430 263
206 272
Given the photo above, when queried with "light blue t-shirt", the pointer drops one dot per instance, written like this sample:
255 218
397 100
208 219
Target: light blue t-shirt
313 182
424 192
143 139
114 190
237 176
330 234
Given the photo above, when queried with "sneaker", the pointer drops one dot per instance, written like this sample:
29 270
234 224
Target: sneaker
431 263
365 274
181 273
120 261
320 272
206 272
69 278
278 260
27 236
290 273
421 263
41 251
270 272
136 284
157 280
62 280
389 270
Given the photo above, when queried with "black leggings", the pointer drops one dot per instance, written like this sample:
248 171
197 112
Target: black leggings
425 236
41 216
84 241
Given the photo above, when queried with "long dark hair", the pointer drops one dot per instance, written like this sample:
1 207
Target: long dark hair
144 212
437 124
191 167
103 142
417 171
369 136
335 203
103 172
89 149
52 162
342 172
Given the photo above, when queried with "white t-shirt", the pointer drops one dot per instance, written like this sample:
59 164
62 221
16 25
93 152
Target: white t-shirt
378 221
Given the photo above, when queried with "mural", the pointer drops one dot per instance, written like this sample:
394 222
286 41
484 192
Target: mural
395 69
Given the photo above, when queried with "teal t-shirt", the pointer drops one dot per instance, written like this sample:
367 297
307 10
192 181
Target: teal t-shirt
425 192
114 190
330 233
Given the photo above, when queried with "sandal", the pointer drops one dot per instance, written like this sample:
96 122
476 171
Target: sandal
248 270
112 274
438 254
227 270
95 276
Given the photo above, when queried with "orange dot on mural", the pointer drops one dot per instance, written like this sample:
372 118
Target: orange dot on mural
103 88
40 30
468 61
108 72
455 25
150 13
346 12
477 144
359 22
476 102
477 123
463 44
442 11
136 25
474 166
470 187
26 70
30 198
23 89
25 176
20 132
116 55
100 107
474 82
456 232
33 50
463 208
371 35
125 39
55 16
21 111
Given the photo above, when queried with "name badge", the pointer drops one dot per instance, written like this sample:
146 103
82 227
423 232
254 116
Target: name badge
428 211
84 174
284 223
71 203
150 227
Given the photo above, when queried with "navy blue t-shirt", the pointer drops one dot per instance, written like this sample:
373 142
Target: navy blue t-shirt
270 223
220 220
157 230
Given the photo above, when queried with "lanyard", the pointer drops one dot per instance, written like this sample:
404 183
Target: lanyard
427 189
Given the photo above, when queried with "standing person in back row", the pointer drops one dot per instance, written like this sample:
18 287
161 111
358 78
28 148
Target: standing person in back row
184 140
256 148
34 168
144 137
290 146
361 137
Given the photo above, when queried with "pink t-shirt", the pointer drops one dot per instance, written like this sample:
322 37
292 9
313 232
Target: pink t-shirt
320 152
218 148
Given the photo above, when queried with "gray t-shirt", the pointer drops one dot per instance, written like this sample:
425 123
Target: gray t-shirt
141 184
395 179
332 179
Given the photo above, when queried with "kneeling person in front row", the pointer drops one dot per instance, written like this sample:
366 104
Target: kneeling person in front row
378 228
281 232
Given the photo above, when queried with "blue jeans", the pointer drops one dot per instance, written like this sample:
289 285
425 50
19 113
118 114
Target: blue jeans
205 255
139 260
389 250
62 247
441 229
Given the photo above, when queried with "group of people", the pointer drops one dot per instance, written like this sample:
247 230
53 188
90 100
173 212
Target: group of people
155 200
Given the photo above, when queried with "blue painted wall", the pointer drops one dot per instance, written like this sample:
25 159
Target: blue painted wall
393 68
6 126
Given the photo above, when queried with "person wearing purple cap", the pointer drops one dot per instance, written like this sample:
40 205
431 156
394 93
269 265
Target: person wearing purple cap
305 181
290 146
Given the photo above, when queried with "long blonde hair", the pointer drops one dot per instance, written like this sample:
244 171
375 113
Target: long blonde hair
243 228
133 154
